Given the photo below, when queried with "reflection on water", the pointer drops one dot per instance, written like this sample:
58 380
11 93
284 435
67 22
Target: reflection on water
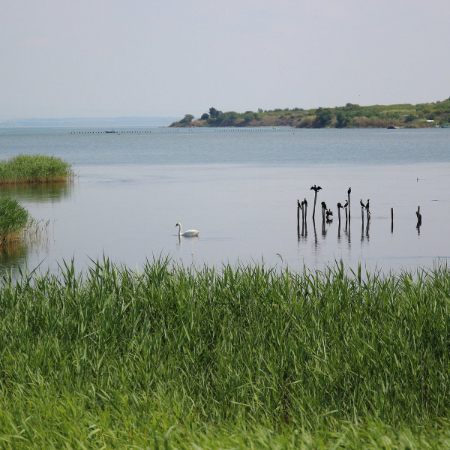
38 192
12 253
34 240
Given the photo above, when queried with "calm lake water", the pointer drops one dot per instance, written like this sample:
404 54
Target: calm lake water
240 189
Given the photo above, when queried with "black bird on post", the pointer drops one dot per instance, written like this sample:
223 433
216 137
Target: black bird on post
368 208
316 189
345 207
419 218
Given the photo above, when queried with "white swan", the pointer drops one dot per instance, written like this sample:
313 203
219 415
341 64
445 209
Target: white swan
188 233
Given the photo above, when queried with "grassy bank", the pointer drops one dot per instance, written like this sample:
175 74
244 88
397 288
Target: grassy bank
34 169
248 357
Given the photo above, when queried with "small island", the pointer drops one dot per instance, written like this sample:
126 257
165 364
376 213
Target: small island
35 169
423 115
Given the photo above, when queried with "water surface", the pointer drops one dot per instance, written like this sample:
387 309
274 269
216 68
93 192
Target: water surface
240 189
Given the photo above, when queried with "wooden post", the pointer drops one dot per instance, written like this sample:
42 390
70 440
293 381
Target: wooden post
392 220
348 193
305 203
314 207
302 208
298 217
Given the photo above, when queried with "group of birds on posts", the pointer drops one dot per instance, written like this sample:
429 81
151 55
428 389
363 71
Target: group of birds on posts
327 214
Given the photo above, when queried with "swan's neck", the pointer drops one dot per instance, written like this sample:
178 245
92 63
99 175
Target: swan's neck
179 229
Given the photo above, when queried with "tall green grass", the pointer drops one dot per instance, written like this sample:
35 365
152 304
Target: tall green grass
244 357
34 169
13 218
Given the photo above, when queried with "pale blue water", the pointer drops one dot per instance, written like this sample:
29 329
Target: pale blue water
240 189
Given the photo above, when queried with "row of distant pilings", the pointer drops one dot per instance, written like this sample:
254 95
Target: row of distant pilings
235 130
112 132
193 130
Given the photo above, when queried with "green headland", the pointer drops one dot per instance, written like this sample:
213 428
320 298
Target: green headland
423 115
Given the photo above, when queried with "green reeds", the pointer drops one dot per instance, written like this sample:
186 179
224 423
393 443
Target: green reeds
13 219
34 169
241 357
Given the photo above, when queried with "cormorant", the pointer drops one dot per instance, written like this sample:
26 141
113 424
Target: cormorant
362 204
324 205
349 190
367 205
345 204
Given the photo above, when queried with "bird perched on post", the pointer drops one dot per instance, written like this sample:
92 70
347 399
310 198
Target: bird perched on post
315 188
367 204
362 204
345 204
298 203
349 190
324 205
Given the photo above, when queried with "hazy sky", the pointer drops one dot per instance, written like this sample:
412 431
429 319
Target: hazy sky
107 58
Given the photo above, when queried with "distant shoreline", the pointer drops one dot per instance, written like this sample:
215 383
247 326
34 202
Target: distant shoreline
424 115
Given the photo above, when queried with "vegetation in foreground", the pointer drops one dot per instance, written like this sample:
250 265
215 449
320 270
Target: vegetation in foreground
349 116
247 357
34 169
13 219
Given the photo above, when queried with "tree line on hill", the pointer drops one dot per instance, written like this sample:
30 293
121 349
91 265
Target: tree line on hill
349 116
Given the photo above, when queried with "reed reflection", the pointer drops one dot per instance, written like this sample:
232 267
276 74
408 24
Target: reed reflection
34 238
38 192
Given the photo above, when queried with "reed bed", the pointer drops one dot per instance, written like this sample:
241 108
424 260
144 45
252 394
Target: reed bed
34 169
13 219
244 357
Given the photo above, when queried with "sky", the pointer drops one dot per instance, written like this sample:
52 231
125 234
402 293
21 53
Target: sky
146 58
